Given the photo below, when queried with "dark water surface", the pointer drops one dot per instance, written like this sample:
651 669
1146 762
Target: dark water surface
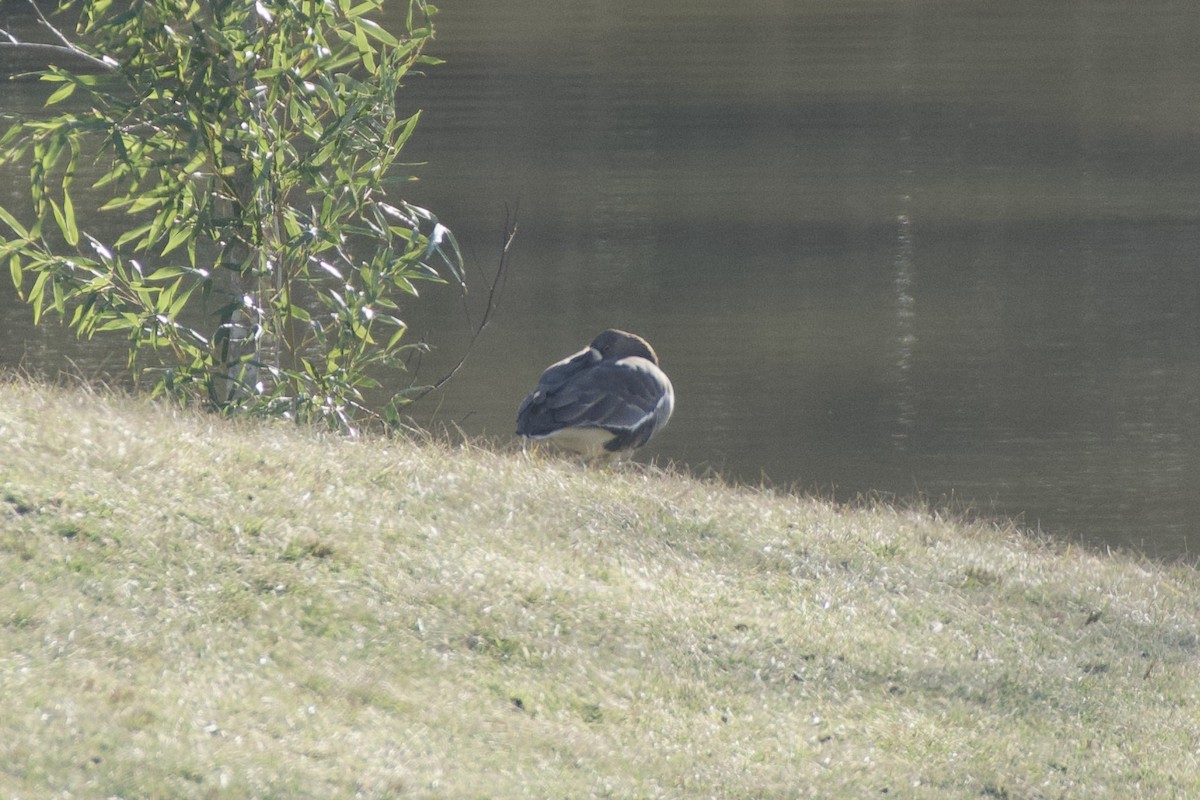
934 249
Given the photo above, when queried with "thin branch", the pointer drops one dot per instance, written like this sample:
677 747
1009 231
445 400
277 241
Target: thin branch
56 50
493 301
67 47
67 42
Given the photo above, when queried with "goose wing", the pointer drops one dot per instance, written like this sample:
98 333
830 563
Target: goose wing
551 383
630 398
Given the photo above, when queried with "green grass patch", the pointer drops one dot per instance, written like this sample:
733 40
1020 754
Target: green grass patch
191 607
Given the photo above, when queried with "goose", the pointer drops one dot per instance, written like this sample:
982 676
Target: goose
603 402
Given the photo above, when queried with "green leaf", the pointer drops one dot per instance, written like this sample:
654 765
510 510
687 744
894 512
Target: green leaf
178 236
11 222
60 94
365 51
66 221
14 266
72 231
144 202
410 125
36 296
60 300
376 32
131 234
354 12
69 177
165 273
161 220
122 323
180 302
166 297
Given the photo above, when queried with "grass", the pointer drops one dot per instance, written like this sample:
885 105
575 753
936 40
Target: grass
191 607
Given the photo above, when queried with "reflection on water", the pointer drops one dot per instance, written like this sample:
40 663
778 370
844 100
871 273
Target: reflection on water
906 337
915 249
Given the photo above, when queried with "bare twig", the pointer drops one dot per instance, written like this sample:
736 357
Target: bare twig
66 42
493 300
58 50
66 48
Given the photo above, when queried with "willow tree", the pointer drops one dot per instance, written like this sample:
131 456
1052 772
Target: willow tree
251 148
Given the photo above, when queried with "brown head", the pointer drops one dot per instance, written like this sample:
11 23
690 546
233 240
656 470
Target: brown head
614 345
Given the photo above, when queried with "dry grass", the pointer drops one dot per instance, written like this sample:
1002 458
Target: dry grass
195 608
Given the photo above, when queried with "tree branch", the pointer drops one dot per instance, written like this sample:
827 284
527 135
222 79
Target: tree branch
493 300
48 50
66 42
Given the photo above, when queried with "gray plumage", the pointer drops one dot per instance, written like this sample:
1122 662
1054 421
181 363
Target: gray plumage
606 400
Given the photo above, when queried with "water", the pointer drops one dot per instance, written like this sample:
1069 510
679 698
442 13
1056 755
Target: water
913 249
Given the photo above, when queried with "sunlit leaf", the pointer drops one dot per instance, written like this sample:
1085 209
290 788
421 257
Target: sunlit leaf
165 273
180 301
375 31
177 237
72 231
331 269
60 303
66 225
11 222
396 337
121 323
60 94
365 51
354 12
131 234
99 247
37 295
143 203
14 268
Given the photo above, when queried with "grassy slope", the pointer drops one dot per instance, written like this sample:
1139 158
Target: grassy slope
189 606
